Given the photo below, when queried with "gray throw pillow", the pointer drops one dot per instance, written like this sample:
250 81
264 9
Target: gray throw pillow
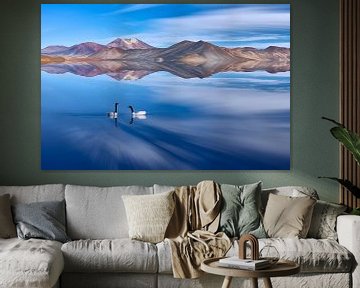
43 220
7 226
240 213
323 222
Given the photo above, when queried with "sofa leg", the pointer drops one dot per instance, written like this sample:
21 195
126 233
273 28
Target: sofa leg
254 282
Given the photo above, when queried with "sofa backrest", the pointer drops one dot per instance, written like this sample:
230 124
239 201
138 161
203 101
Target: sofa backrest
98 212
36 193
162 188
293 191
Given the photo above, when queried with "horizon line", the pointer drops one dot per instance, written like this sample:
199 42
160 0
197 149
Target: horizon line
168 46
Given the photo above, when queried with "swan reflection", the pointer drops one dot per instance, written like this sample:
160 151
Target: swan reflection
114 114
138 115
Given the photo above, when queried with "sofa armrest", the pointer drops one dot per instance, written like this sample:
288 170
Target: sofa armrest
348 230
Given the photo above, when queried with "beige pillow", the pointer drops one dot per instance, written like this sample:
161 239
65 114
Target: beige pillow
288 217
149 215
7 226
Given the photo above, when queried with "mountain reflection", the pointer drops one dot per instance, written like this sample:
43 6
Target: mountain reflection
185 59
134 70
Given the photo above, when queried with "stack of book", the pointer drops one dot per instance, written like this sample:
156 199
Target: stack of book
248 264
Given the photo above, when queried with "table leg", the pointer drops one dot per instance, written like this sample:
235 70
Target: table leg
267 283
254 282
227 282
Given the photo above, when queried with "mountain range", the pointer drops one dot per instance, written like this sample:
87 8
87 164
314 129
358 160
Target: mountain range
186 59
89 48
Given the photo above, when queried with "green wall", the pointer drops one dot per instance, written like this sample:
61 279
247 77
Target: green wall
314 93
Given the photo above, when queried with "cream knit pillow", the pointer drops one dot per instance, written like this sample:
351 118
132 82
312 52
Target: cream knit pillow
149 215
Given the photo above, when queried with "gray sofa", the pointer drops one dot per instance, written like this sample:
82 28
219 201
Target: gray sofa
101 255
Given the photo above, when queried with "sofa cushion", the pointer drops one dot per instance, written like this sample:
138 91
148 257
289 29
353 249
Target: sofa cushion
30 263
98 213
37 193
164 257
117 255
313 255
109 280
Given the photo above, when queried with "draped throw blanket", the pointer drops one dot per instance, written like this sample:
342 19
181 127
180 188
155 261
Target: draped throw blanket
191 231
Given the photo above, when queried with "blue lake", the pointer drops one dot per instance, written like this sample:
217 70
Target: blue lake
228 121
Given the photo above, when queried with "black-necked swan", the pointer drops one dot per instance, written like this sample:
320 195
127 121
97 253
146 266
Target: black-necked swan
138 113
114 114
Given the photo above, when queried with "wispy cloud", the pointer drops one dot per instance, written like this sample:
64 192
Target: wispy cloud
225 25
221 20
132 8
222 25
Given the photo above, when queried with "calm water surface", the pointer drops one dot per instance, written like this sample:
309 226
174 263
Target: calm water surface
223 122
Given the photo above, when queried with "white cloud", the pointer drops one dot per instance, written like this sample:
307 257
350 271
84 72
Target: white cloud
263 45
226 20
225 25
132 8
222 25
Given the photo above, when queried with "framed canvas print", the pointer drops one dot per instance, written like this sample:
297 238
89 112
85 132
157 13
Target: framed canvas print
165 86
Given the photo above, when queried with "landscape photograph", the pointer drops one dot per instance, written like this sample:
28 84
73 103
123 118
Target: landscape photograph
165 86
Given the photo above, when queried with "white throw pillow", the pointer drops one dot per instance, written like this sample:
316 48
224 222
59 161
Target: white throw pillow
149 215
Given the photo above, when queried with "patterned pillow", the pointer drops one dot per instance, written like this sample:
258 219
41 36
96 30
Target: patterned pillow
149 215
323 222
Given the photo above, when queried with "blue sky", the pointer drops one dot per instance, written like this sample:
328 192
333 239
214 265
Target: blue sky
161 25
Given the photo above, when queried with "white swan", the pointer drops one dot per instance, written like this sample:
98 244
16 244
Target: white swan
114 114
138 114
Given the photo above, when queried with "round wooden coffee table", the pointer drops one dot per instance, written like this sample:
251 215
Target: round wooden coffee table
281 268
